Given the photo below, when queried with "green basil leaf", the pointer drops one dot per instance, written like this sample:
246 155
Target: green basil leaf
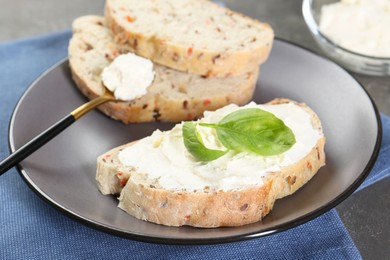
254 130
194 144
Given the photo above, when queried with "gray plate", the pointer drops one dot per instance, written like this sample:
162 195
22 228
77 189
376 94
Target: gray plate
63 171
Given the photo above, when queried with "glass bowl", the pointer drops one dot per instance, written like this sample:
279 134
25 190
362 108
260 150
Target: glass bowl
350 60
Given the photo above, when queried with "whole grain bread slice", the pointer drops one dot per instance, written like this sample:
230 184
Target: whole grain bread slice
196 36
173 96
144 199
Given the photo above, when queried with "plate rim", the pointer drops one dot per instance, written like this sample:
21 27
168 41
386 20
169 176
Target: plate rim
199 241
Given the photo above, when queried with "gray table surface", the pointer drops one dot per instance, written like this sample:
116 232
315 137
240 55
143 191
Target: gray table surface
365 214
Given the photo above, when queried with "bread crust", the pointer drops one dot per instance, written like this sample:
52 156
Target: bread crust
210 208
200 209
173 96
192 58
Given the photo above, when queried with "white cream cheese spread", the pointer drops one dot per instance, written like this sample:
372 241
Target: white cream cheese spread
128 76
361 26
164 158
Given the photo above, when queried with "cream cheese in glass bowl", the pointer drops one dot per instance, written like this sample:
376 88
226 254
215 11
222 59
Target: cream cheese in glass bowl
353 33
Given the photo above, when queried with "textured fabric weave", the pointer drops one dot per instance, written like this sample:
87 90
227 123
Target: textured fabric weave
31 229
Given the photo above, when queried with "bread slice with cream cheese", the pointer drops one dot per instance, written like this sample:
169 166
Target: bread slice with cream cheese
173 96
195 36
157 180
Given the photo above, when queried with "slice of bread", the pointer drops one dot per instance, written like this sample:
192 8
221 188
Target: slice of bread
173 96
195 36
145 197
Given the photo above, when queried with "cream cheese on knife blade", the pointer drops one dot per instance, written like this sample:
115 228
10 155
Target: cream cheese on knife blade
128 76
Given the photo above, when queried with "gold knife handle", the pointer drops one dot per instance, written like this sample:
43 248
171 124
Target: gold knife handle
85 108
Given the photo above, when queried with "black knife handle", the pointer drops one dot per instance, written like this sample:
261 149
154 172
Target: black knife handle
35 143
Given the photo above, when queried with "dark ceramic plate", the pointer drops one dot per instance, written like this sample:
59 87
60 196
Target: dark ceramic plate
63 171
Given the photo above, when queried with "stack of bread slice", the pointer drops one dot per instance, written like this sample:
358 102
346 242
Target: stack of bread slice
205 56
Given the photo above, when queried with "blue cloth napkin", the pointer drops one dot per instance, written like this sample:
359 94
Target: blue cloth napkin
31 229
